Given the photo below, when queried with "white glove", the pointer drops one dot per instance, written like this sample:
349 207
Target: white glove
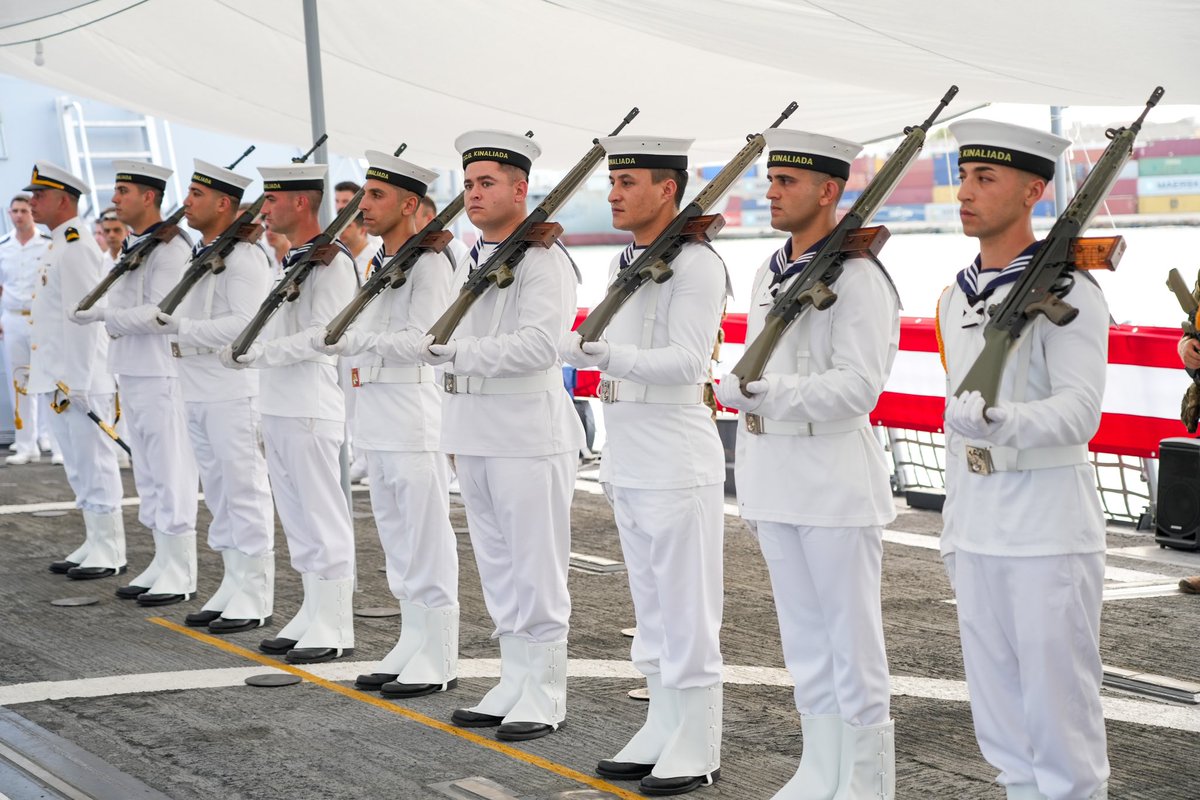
245 360
598 353
965 415
729 393
437 353
144 319
338 348
571 351
93 314
166 323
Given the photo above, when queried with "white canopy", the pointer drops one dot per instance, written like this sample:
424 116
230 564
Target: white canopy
570 69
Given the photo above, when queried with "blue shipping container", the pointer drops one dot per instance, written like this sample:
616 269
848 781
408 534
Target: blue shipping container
945 169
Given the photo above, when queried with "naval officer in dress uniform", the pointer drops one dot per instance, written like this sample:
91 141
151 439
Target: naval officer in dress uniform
813 481
75 356
398 430
1024 536
664 471
164 469
515 436
222 406
304 424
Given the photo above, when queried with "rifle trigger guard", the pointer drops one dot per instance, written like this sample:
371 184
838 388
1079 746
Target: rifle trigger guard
292 293
658 272
1057 311
502 276
820 295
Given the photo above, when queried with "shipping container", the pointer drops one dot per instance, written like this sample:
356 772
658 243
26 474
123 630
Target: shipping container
907 195
1044 208
1183 165
941 212
1119 204
945 194
900 213
1168 185
1125 187
1169 205
1169 148
945 168
919 175
849 196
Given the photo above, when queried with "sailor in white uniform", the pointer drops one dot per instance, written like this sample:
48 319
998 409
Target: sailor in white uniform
813 481
304 424
21 251
75 356
664 471
398 431
164 469
222 406
515 435
1024 534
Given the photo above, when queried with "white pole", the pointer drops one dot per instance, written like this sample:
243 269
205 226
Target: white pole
1064 164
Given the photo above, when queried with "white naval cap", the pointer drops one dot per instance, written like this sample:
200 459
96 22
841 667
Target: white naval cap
812 151
220 179
398 172
51 176
142 173
500 146
646 152
987 141
294 178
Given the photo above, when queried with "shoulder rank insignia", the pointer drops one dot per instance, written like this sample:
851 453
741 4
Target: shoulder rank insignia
71 234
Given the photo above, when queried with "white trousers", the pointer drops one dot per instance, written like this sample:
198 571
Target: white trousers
1030 630
519 515
89 461
233 472
412 512
302 462
673 544
35 408
164 468
826 587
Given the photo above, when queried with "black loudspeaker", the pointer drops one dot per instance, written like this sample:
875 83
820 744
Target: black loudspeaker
1178 521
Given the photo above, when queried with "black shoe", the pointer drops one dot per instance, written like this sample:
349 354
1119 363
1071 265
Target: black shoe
373 682
316 655
277 646
62 567
198 619
623 770
92 573
665 786
407 690
221 625
524 731
131 591
148 599
464 718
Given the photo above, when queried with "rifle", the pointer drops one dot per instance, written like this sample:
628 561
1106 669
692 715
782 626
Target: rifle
1060 254
136 256
321 252
690 224
394 273
498 269
212 259
811 287
61 405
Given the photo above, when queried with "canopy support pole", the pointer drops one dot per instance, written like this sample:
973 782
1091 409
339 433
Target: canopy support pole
1060 171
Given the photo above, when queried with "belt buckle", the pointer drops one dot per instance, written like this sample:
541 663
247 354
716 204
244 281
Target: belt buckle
754 424
608 391
449 383
979 460
175 350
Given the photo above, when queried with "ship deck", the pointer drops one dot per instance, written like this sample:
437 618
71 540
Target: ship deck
112 700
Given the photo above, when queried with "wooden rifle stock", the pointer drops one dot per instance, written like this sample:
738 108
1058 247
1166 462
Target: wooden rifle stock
242 229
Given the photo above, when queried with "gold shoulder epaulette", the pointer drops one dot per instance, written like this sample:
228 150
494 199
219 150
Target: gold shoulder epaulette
71 234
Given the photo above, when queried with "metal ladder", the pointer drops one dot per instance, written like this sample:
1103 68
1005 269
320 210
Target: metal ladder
82 159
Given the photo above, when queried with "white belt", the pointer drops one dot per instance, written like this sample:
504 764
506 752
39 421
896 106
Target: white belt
614 391
377 374
183 352
986 460
759 425
526 384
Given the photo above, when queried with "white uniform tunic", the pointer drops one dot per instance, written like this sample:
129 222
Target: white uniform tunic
664 467
516 453
222 404
164 468
77 356
819 501
304 422
18 277
1025 548
398 427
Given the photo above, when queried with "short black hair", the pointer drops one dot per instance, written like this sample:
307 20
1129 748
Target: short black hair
19 198
429 205
678 175
346 186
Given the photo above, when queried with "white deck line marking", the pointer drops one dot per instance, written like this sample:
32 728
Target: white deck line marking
1121 709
